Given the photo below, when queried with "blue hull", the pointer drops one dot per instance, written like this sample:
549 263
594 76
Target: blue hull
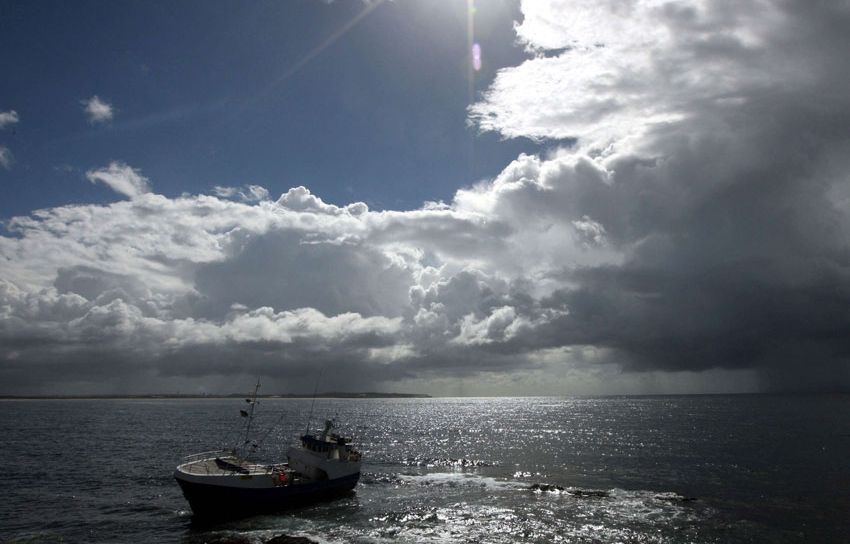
213 500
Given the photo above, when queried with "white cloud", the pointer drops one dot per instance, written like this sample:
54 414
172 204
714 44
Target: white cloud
6 157
121 178
200 285
98 110
496 327
589 231
698 228
157 275
8 118
250 193
618 69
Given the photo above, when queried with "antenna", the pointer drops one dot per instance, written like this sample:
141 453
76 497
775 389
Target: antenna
315 390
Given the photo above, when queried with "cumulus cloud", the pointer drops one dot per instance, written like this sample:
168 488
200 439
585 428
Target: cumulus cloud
8 118
6 157
201 284
98 110
121 178
606 70
589 231
694 230
249 193
723 145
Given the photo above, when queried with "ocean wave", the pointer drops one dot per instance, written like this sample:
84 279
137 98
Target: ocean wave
526 474
447 462
652 496
573 491
458 479
664 496
673 497
380 478
461 522
254 537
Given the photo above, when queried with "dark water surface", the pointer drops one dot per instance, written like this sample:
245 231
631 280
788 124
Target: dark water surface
633 469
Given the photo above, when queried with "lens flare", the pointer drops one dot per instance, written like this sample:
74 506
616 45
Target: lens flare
476 57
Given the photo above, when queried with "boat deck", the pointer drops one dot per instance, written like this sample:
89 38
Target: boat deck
230 465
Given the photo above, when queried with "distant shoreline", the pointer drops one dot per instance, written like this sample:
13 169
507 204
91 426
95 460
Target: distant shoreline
327 395
375 395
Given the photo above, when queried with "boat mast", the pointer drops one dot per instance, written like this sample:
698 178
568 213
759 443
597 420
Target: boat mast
313 403
253 402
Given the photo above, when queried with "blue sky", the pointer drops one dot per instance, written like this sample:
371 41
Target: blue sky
379 115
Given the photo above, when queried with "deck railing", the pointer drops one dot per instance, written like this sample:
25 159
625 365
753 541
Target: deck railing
212 454
196 467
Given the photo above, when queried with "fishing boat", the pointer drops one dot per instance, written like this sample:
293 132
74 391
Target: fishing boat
227 483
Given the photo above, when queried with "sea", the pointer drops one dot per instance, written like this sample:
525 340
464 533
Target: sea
645 469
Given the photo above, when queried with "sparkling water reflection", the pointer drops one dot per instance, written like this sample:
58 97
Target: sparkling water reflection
628 469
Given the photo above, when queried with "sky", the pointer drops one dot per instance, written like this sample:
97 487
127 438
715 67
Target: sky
447 197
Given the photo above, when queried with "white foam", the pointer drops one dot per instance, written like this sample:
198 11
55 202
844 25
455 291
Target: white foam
459 479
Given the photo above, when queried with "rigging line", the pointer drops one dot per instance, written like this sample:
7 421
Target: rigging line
251 417
315 390
227 434
226 440
309 417
271 428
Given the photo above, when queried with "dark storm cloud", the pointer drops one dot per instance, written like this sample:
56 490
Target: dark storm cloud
261 275
732 216
696 217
